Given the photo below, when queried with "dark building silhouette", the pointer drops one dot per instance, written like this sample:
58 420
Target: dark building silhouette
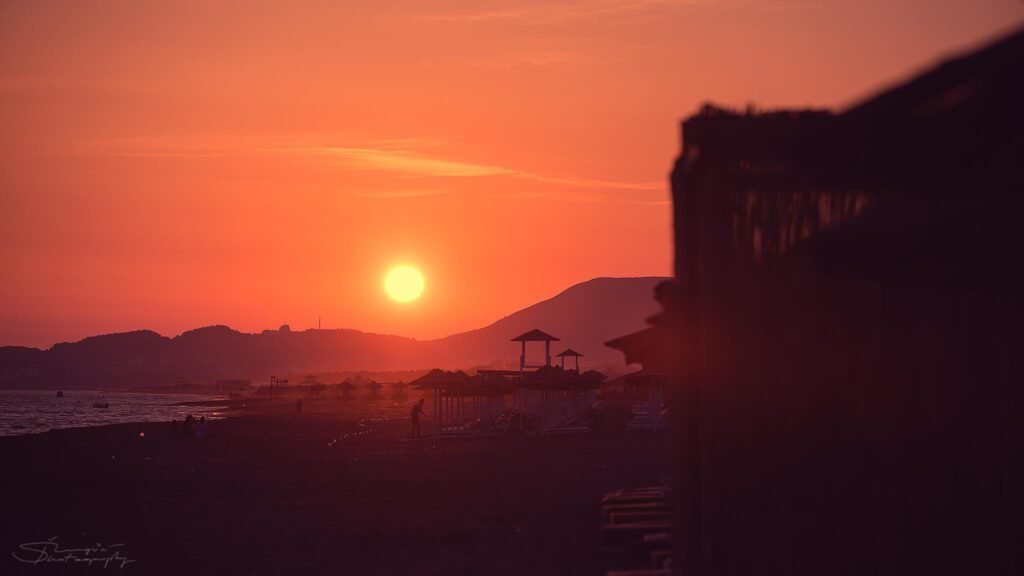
845 331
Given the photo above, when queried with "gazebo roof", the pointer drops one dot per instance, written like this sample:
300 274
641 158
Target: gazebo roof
569 352
535 335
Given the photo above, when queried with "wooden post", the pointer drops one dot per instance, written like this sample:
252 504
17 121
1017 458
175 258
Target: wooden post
522 361
437 413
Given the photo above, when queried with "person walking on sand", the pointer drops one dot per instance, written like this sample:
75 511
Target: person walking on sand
298 406
414 415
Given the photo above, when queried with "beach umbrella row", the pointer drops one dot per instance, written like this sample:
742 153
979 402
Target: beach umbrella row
556 378
458 383
453 388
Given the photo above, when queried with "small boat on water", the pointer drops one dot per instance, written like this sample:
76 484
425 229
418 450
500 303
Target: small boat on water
101 405
60 393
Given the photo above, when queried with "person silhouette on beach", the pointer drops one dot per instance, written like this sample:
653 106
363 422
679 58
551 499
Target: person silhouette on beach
414 415
298 406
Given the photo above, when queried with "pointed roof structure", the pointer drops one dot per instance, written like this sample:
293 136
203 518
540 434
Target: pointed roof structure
535 335
570 353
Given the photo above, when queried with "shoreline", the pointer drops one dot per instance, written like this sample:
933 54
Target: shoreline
73 412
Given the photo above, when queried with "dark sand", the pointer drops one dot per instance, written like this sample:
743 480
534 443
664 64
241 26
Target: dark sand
268 495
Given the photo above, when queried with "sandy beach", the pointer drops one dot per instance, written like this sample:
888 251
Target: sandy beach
277 493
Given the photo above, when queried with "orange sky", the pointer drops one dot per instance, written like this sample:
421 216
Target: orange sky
181 164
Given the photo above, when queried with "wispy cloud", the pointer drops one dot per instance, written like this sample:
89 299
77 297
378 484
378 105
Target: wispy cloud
410 157
588 183
405 162
540 59
416 164
561 12
578 196
405 194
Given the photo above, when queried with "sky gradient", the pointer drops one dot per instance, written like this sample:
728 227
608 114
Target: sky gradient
181 164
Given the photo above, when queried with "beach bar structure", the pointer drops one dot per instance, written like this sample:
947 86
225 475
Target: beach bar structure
550 397
845 328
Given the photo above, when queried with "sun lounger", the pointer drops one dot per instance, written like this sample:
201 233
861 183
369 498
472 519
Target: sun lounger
636 493
658 489
608 509
561 430
632 533
628 517
658 540
640 518
660 559
646 491
635 499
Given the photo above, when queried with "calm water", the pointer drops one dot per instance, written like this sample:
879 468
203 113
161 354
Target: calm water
31 411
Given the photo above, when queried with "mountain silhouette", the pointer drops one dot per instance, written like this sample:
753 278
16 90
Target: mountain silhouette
583 316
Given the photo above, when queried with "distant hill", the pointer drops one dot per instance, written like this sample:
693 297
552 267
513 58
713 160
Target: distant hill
584 316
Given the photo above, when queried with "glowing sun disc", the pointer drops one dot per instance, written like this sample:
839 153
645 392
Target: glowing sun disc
403 283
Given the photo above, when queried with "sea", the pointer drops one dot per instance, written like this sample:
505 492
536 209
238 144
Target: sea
34 411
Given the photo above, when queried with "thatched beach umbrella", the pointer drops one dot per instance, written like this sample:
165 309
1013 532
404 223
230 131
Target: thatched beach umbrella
557 390
346 388
438 380
373 387
398 390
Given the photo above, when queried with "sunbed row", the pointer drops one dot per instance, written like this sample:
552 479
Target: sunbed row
640 519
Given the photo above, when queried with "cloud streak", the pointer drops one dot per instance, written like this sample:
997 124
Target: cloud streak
562 12
401 157
415 164
400 194
405 162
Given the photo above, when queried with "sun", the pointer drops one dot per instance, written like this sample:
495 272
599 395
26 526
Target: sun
404 283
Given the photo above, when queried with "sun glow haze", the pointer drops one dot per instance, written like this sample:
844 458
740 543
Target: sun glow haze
404 283
157 156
